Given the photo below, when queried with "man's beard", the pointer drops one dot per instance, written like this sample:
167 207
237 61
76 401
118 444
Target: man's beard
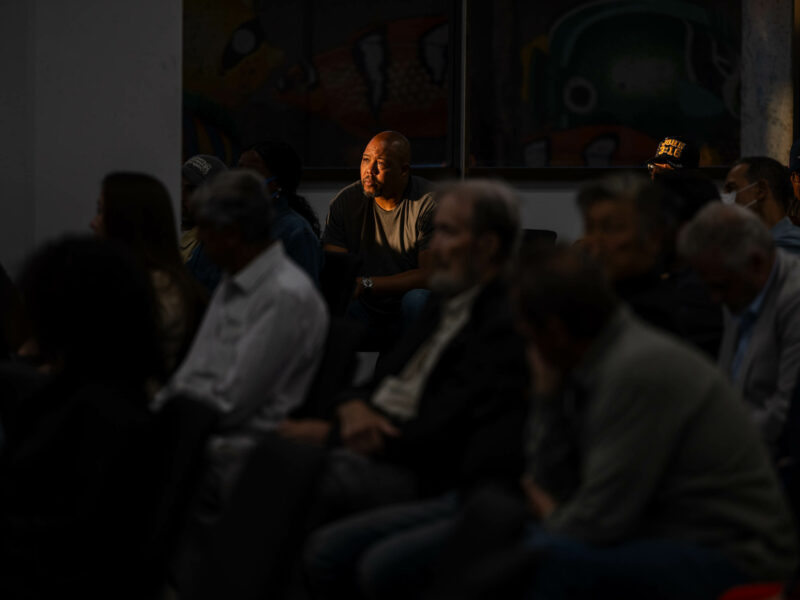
374 192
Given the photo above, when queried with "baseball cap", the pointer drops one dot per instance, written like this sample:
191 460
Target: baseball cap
202 168
794 157
678 152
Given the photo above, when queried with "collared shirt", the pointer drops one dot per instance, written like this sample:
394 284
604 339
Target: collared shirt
258 347
399 395
744 324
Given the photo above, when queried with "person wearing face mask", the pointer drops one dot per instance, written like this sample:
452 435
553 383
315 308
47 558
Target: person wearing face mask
762 185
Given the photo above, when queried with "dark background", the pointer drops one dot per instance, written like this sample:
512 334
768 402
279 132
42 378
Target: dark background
565 84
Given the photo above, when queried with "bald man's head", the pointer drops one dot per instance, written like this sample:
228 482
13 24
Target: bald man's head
397 142
386 166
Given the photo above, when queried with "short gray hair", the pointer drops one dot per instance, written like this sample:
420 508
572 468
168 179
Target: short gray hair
649 199
732 232
236 198
495 209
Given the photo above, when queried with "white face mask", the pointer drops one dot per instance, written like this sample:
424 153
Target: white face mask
729 198
749 204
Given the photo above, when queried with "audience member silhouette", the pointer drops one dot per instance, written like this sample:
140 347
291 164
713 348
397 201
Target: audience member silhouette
74 472
700 319
196 171
763 185
734 253
239 361
295 222
135 210
626 228
618 503
628 507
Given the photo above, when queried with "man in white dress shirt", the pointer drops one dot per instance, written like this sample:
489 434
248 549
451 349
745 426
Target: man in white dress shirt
263 334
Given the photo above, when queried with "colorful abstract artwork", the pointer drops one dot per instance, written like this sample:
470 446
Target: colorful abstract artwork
600 83
324 76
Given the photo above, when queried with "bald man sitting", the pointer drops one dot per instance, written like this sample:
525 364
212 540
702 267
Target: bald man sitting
386 218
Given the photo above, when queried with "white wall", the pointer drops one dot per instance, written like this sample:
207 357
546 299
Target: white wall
17 208
98 89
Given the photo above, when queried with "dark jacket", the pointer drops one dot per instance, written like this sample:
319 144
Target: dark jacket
73 482
653 299
471 414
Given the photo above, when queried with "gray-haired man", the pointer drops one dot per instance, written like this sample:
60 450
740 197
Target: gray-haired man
264 305
734 253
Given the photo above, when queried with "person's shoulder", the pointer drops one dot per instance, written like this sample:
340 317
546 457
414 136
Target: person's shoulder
657 357
291 281
288 294
493 299
640 363
420 201
297 297
788 264
290 223
787 277
492 315
352 194
420 188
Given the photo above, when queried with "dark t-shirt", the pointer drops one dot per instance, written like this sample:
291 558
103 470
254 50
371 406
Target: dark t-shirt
388 242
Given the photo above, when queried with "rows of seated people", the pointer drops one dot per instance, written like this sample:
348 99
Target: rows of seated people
619 418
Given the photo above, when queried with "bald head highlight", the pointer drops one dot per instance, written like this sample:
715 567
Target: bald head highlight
398 144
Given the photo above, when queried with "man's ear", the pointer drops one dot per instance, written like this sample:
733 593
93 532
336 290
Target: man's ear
762 189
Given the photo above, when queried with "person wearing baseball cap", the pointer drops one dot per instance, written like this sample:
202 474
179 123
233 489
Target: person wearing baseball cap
196 171
674 152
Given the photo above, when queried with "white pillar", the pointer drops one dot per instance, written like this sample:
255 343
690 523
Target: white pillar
767 85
